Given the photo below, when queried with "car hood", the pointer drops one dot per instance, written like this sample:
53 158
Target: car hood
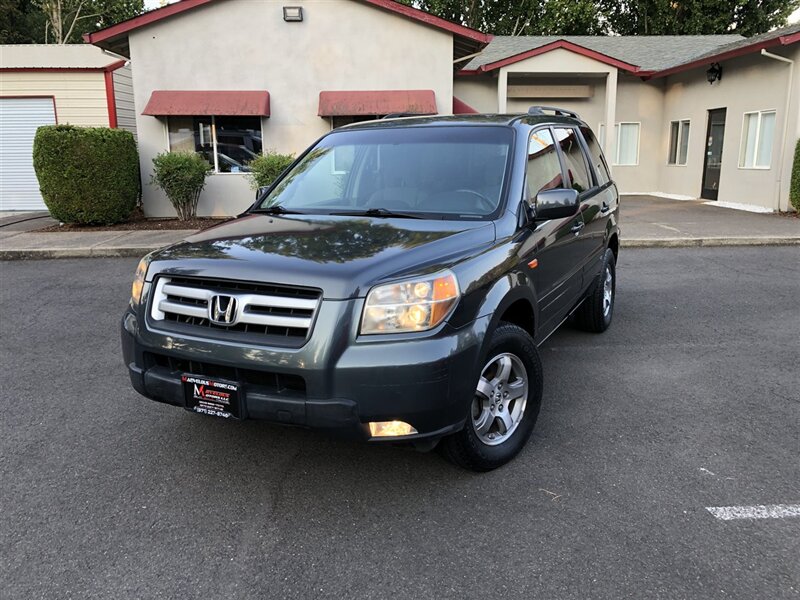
343 256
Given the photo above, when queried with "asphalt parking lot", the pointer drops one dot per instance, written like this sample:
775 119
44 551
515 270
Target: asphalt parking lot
691 400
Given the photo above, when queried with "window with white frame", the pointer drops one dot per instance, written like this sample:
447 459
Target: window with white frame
678 142
627 149
758 132
227 143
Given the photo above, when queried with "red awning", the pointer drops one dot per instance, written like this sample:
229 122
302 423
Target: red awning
377 102
462 108
208 102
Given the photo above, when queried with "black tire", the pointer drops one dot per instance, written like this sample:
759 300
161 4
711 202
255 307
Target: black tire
592 315
465 448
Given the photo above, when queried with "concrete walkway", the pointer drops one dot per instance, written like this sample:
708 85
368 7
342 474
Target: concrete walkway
19 239
645 221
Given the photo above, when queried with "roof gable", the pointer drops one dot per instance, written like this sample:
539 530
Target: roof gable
465 42
646 56
630 53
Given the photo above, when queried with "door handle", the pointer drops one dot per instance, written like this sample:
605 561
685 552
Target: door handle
605 208
576 229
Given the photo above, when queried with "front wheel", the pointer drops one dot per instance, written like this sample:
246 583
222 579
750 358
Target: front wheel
505 405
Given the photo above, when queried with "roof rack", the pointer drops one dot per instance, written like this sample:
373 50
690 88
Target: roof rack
399 115
559 112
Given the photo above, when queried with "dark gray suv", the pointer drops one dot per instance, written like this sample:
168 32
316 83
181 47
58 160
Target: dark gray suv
392 285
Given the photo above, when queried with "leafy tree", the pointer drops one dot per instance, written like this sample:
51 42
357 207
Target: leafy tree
20 22
522 17
624 17
547 17
694 17
68 20
759 16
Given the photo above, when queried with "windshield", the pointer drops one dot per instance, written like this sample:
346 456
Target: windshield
437 172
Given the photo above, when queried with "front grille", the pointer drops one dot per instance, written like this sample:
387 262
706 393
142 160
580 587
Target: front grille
263 381
260 313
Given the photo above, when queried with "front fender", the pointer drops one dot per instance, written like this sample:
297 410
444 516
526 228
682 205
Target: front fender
513 287
506 291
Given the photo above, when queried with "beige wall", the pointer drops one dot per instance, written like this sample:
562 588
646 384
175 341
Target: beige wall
641 102
80 97
749 83
479 91
246 45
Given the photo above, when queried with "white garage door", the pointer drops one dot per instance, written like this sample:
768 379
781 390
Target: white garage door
19 118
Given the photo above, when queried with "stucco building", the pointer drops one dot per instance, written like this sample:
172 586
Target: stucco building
233 78
49 84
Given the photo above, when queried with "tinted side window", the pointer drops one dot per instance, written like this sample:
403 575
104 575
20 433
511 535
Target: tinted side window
574 161
596 157
544 170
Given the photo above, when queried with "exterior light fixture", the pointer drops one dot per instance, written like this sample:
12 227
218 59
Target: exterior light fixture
390 429
714 73
293 13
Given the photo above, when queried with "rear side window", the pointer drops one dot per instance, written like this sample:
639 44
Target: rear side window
596 157
544 170
574 160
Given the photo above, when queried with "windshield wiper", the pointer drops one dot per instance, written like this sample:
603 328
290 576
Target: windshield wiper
276 209
376 212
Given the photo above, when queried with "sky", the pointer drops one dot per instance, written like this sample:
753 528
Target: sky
156 3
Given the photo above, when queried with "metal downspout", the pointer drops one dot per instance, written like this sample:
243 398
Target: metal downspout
790 62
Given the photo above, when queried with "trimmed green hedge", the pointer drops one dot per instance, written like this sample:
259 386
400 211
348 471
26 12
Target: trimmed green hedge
267 167
182 176
87 174
794 189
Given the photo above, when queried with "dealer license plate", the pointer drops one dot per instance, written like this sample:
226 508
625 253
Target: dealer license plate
212 397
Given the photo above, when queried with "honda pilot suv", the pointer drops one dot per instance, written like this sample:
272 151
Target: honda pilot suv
392 285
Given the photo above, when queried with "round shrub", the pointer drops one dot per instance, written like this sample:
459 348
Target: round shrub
266 168
182 176
87 174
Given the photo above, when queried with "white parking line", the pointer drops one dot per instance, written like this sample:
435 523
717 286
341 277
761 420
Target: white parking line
764 511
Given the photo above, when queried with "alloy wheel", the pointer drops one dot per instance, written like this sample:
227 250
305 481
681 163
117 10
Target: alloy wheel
500 398
608 292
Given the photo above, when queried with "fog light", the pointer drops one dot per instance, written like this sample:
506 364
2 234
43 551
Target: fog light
390 429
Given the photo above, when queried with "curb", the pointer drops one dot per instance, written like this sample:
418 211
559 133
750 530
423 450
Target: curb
139 251
46 253
708 242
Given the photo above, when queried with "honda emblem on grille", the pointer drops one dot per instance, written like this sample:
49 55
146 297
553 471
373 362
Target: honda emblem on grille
222 310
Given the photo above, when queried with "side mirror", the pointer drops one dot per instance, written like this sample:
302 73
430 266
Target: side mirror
261 191
556 204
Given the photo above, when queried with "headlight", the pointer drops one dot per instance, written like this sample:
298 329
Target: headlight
138 280
413 305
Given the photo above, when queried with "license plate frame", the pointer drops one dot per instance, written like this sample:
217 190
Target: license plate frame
213 397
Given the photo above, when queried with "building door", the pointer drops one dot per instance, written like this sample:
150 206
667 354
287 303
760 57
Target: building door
712 166
19 119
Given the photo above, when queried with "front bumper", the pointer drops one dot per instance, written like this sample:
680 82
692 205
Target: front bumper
336 382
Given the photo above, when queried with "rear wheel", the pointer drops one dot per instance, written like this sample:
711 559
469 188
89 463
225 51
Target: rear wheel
505 405
597 310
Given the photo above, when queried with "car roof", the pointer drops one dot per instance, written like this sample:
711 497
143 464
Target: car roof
467 119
